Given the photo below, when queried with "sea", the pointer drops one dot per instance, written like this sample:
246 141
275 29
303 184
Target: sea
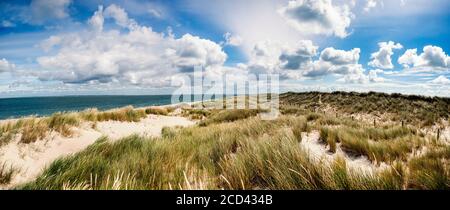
44 106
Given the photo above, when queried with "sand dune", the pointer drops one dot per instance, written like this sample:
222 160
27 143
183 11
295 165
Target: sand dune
319 151
32 158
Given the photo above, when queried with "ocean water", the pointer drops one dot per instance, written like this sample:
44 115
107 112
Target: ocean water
44 106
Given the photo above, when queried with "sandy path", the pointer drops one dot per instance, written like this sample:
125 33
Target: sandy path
319 151
32 158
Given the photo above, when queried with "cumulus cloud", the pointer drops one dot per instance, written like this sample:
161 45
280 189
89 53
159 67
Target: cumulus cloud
6 66
50 42
318 17
345 64
441 80
340 57
265 58
298 61
232 40
432 58
120 16
373 75
382 58
334 61
299 55
137 56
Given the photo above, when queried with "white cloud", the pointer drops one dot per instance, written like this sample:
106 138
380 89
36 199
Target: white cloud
370 4
97 20
441 80
340 57
41 11
334 61
432 58
255 21
6 66
138 56
232 40
120 16
50 42
373 75
382 58
297 61
264 58
299 55
318 17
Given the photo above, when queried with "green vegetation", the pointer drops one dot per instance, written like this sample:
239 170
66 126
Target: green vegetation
432 170
235 149
248 153
157 111
412 109
33 128
126 114
229 116
378 144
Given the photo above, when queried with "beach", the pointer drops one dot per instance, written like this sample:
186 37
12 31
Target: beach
30 159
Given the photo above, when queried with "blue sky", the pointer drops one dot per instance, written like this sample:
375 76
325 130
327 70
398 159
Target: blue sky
61 47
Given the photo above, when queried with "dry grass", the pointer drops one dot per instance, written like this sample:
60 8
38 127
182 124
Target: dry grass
412 109
33 129
125 114
220 116
234 149
378 144
243 154
6 173
432 170
157 111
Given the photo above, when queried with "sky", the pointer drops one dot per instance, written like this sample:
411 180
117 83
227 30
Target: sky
89 47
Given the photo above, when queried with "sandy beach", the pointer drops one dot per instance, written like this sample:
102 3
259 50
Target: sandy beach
32 158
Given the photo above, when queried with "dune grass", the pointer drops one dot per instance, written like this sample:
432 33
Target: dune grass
244 154
36 128
235 149
157 111
378 144
412 109
125 114
220 116
6 173
432 170
32 129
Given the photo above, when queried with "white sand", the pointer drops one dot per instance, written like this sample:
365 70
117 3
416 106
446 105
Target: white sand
320 151
32 158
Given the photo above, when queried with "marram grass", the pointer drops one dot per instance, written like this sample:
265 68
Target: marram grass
243 154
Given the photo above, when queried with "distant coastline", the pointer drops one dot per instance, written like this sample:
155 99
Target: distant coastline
47 105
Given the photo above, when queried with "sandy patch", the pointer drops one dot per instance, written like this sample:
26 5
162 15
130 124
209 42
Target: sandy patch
32 158
320 151
150 126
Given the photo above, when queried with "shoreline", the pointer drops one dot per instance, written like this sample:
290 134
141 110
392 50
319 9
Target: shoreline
32 158
15 119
